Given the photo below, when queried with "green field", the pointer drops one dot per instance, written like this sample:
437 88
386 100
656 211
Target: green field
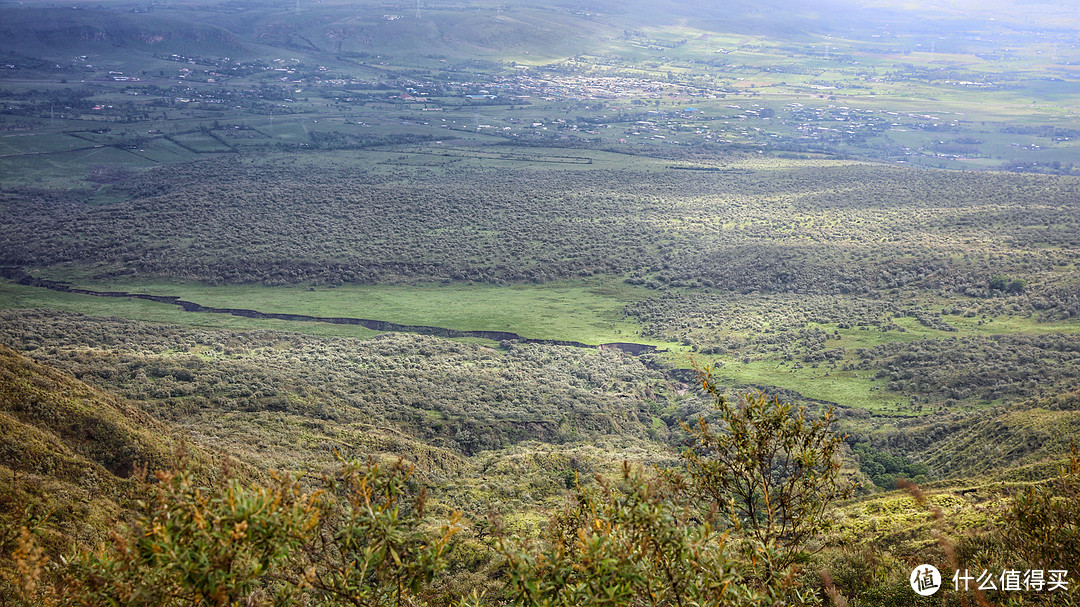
586 311
19 297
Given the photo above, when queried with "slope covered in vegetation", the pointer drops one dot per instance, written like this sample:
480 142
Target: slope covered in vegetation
384 532
70 453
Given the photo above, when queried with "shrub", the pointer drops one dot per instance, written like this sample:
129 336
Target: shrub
1042 524
625 543
768 472
355 540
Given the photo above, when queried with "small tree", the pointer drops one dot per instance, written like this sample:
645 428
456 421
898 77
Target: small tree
625 543
372 547
1043 522
768 471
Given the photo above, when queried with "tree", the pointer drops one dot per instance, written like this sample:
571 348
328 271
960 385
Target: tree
625 543
767 471
371 548
1042 524
760 482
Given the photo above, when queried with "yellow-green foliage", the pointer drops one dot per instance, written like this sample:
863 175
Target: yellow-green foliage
768 470
195 545
1043 522
623 544
77 418
66 449
360 538
1019 442
983 524
908 528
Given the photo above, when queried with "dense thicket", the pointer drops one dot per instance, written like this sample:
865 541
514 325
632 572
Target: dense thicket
988 368
776 324
454 397
830 229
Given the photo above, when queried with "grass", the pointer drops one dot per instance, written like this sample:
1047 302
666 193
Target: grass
13 296
199 143
860 389
30 143
589 311
62 168
855 389
1010 325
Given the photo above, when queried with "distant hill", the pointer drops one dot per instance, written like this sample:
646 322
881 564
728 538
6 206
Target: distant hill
522 30
514 30
59 34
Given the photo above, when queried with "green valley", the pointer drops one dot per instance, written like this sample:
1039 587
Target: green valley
485 303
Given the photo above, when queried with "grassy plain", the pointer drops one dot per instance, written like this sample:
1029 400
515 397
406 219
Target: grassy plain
18 297
589 311
844 388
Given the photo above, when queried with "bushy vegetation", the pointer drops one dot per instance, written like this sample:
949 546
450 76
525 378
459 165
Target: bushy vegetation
623 542
360 536
770 470
1042 524
364 536
1016 440
743 519
796 327
704 165
793 231
435 400
988 368
356 540
70 455
886 469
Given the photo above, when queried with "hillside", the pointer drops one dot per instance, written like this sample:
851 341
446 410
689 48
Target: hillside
61 33
62 436
285 400
70 451
1022 441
